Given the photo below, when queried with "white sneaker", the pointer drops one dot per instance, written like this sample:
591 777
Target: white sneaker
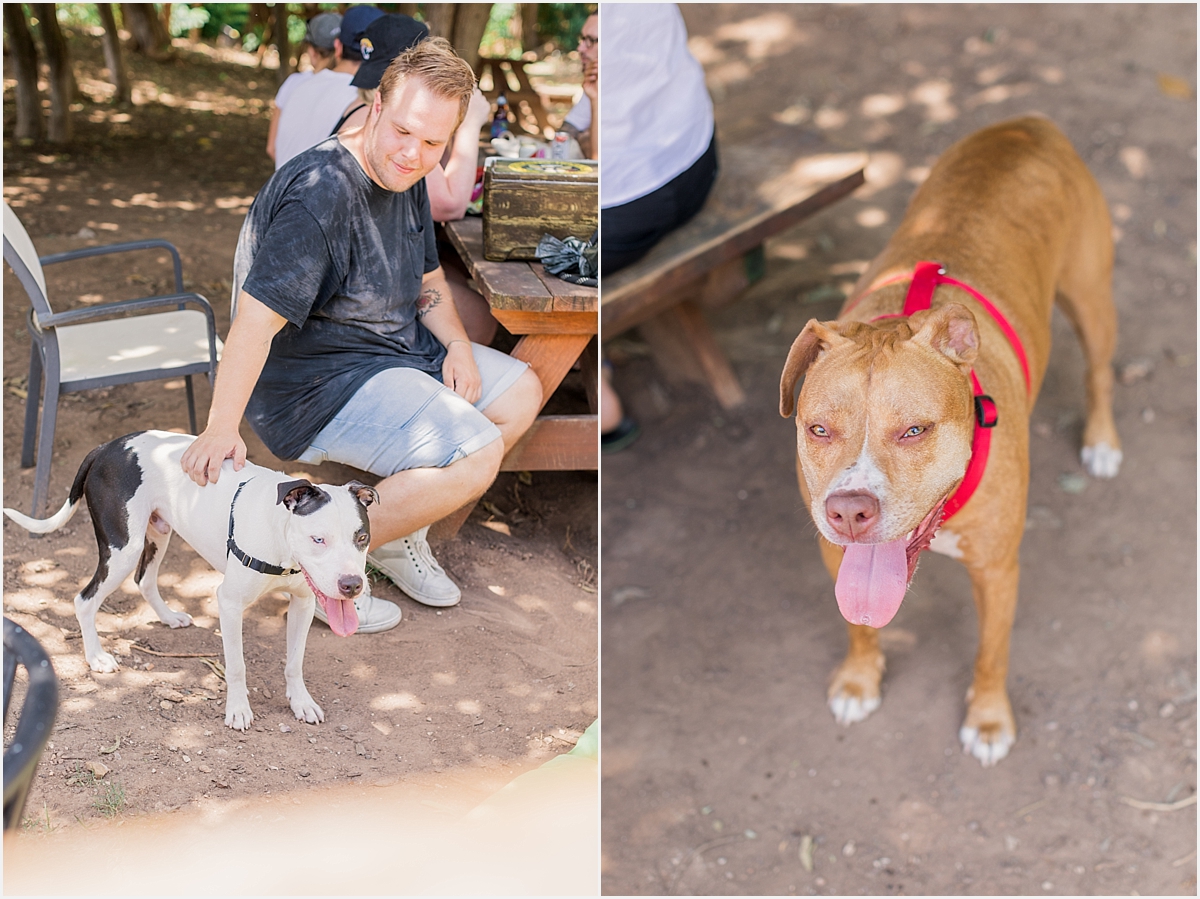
374 614
410 565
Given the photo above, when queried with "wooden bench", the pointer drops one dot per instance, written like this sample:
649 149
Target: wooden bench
764 186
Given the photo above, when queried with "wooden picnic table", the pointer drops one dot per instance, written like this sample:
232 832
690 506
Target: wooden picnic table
764 186
556 322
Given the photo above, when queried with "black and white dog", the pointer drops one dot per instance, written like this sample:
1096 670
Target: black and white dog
265 531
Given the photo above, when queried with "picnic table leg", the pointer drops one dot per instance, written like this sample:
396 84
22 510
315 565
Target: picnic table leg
551 357
686 350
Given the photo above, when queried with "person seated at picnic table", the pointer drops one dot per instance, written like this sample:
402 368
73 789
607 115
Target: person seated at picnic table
581 122
344 344
660 151
315 104
451 182
320 36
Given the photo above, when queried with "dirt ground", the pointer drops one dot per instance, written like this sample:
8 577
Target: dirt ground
723 770
498 684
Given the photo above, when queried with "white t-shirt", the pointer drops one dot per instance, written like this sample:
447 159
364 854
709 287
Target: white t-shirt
310 111
292 81
580 116
657 117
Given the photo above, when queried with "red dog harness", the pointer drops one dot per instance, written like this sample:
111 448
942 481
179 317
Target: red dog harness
926 277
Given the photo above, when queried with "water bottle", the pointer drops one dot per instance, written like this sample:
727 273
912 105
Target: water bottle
500 122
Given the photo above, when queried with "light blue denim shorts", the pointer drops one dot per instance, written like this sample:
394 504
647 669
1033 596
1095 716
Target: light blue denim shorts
402 418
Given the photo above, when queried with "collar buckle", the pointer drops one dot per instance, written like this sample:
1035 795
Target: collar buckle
986 413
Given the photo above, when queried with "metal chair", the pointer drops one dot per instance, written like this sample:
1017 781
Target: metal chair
121 342
36 721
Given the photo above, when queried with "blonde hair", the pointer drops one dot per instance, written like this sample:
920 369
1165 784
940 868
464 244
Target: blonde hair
439 68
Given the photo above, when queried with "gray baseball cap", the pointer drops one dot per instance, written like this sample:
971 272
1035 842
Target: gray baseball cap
322 29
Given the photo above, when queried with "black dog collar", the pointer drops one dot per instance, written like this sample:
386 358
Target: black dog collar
249 561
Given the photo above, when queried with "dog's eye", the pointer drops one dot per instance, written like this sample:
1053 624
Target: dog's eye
362 540
914 431
818 431
318 540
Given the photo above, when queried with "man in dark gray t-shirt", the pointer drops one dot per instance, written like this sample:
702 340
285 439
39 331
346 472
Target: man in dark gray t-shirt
345 344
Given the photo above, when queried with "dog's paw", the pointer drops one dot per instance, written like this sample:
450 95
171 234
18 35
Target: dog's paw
238 716
849 710
854 690
989 744
989 730
1101 460
103 663
305 708
177 619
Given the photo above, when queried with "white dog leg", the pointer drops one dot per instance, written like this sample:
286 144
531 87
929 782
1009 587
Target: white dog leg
147 577
299 619
237 703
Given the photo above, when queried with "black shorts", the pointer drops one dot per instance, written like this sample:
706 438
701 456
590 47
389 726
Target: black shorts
628 231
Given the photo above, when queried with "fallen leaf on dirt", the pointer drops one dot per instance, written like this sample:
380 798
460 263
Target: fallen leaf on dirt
498 526
493 508
110 750
97 768
806 855
1173 86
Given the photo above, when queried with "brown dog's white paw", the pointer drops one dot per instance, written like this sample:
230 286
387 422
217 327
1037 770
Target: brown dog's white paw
989 744
1101 460
989 731
854 692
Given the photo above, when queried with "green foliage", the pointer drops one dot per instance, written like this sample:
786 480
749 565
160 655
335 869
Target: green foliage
501 35
184 18
77 15
562 22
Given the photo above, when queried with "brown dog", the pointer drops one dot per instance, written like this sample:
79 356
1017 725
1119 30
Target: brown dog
889 436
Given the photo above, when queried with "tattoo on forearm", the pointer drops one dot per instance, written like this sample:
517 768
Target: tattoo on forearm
429 298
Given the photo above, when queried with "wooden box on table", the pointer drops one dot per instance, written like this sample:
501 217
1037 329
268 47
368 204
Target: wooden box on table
524 199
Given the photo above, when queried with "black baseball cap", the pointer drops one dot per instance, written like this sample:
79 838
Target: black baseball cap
385 39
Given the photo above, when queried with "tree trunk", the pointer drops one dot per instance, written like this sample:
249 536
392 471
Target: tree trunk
61 78
440 19
530 39
282 43
462 24
23 51
149 37
113 56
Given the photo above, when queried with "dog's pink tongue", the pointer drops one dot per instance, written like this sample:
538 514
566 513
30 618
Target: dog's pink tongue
341 615
871 582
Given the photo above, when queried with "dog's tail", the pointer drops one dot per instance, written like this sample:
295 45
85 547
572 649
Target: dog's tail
63 515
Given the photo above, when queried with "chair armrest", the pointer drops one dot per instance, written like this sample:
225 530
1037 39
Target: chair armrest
85 252
145 304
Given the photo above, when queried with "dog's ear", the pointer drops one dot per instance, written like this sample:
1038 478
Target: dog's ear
302 497
813 340
950 330
362 492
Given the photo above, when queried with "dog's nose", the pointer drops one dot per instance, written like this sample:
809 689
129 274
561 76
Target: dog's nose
350 585
851 514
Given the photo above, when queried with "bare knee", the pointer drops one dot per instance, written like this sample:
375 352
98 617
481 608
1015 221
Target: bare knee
527 397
